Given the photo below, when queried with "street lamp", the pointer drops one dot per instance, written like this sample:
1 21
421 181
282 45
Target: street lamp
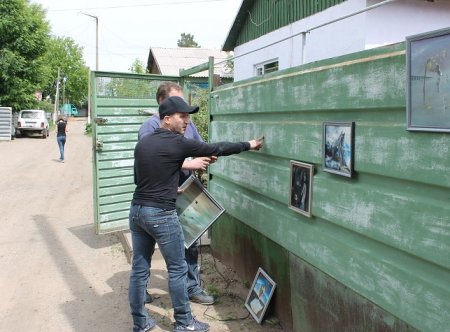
96 64
96 37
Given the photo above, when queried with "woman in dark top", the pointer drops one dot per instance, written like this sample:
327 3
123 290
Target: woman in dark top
61 129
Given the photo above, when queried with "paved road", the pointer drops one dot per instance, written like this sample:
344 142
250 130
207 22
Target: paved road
55 273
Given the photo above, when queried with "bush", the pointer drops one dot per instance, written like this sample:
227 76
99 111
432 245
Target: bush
88 129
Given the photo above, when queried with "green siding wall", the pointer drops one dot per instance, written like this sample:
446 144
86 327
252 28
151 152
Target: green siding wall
384 233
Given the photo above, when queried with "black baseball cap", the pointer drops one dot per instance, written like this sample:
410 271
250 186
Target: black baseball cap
175 104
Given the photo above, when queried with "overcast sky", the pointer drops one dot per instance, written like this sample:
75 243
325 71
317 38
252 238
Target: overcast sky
128 28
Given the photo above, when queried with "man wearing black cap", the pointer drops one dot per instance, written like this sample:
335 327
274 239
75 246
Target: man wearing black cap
168 89
153 217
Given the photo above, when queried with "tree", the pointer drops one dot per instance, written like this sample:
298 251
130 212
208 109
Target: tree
187 40
24 37
65 54
138 67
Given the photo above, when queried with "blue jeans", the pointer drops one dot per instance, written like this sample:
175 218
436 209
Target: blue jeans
149 225
61 142
193 282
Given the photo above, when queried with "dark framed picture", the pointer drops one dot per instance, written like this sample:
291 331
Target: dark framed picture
338 146
196 209
301 187
260 294
427 81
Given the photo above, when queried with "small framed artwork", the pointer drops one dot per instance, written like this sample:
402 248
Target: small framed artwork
338 146
260 294
301 187
427 81
197 210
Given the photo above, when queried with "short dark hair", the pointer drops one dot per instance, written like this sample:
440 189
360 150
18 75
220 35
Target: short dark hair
164 89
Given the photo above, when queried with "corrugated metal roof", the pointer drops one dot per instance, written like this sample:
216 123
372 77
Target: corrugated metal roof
169 61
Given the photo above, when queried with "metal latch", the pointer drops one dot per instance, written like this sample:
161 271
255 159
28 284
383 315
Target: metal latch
98 145
100 121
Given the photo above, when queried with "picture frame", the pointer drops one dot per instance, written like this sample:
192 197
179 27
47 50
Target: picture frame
338 148
259 296
197 210
427 83
300 188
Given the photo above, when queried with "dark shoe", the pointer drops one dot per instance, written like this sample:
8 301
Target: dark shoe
202 298
194 325
150 325
148 297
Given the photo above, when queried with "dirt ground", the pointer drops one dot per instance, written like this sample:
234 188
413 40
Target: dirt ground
56 274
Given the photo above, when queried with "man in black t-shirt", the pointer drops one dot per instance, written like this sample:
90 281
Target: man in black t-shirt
153 217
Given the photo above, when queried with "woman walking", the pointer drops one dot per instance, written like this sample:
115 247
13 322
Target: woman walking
61 130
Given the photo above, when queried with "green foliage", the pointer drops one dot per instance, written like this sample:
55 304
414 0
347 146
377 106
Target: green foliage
88 129
65 54
46 106
138 67
187 40
200 119
24 37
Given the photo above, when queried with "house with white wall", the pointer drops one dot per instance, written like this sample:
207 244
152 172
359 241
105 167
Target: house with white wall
272 35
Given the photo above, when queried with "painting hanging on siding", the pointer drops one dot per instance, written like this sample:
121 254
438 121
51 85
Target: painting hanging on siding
428 81
338 142
300 187
260 294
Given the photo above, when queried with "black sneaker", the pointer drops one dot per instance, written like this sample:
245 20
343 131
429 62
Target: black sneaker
202 298
148 297
194 325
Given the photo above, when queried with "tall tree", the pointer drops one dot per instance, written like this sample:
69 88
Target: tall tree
65 54
24 37
187 40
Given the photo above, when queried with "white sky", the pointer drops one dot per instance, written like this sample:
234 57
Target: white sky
128 28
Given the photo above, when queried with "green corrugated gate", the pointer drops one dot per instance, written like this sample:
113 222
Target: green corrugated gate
119 104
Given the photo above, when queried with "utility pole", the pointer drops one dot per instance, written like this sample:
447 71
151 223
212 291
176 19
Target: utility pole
55 113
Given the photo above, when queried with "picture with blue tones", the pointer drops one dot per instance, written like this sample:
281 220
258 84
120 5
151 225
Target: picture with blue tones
260 294
338 141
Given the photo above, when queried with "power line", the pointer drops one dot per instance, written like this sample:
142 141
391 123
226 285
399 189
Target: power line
134 6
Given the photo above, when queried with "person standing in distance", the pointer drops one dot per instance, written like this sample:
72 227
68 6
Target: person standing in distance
169 89
61 131
153 218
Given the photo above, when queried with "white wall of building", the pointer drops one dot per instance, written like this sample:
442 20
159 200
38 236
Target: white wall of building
386 24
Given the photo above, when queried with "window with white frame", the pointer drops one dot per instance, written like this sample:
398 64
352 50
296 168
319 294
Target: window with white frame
266 67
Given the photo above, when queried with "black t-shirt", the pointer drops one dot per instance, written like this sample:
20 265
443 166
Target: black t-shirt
61 125
157 162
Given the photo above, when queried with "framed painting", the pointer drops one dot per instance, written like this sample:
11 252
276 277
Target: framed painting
196 209
338 146
427 83
300 187
260 294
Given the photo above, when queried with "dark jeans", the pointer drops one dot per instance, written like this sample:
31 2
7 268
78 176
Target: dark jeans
193 281
149 225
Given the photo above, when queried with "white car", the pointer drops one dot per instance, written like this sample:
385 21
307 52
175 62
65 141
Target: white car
32 122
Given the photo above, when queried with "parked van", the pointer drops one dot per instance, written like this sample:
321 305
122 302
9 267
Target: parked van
32 122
